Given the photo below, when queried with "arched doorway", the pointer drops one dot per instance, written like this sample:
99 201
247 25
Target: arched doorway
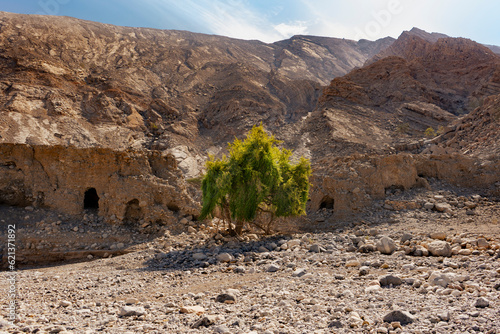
91 200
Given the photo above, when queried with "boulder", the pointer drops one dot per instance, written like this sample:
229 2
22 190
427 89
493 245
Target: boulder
386 245
440 248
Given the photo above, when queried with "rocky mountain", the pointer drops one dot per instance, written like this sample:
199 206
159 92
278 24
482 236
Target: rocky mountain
477 133
72 82
412 85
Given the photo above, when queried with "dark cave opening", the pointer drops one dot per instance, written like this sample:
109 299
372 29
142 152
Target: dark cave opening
91 200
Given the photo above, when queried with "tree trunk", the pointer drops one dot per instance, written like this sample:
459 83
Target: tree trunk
239 226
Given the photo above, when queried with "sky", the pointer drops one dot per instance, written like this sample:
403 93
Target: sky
273 20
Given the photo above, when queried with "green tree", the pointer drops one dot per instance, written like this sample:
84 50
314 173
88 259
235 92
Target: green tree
256 181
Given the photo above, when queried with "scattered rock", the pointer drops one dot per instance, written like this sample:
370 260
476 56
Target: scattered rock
390 280
127 311
225 257
443 207
206 321
226 298
273 268
482 302
440 248
299 272
192 309
386 245
438 235
402 317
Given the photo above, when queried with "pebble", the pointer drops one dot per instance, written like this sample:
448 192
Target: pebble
192 309
65 303
299 272
316 248
131 301
465 252
293 243
273 268
428 206
438 235
226 298
406 237
437 278
365 270
206 321
482 243
482 302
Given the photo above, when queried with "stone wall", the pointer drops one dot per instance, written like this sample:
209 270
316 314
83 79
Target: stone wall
350 184
130 185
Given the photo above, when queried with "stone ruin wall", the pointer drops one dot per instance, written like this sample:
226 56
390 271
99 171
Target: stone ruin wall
351 184
130 185
148 186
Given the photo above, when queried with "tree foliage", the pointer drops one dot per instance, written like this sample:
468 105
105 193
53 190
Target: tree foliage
257 180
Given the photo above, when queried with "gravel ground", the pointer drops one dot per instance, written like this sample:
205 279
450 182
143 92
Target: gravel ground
405 267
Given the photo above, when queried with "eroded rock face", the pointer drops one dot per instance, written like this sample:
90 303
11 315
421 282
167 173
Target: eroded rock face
121 185
351 184
71 82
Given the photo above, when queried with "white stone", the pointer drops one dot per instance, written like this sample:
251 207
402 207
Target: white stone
386 245
65 303
127 311
293 243
225 257
440 279
443 207
440 248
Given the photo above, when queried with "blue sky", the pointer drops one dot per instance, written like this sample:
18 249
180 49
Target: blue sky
274 20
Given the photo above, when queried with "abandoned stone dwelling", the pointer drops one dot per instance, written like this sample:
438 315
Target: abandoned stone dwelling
116 185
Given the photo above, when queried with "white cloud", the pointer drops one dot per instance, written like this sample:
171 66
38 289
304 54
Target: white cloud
231 18
289 30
